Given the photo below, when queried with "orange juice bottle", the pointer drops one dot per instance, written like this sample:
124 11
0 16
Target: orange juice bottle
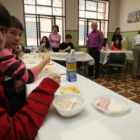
71 67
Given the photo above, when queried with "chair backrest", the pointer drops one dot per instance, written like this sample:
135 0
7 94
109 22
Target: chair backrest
118 58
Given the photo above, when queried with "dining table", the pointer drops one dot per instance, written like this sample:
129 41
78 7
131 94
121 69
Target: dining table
105 53
91 123
80 56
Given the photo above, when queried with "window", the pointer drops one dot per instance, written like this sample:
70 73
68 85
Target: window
40 16
89 11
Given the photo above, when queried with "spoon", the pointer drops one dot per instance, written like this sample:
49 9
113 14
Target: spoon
73 101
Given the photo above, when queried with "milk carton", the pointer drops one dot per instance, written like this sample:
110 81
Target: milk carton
71 66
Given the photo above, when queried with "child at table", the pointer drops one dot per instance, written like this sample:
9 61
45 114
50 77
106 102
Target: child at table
13 72
44 45
117 46
67 44
105 44
26 122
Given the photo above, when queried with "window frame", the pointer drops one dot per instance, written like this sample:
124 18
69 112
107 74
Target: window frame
93 19
52 16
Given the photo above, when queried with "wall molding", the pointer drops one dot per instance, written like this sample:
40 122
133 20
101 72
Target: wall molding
72 30
126 31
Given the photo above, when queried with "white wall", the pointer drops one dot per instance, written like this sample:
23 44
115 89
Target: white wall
127 6
15 7
72 14
114 15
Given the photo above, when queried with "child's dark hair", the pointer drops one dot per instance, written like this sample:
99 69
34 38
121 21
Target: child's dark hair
47 45
105 40
56 26
119 46
16 23
68 36
4 17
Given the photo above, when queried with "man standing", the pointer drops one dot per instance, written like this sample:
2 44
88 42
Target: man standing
94 45
136 39
136 54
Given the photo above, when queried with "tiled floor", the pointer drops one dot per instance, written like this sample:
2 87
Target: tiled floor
129 88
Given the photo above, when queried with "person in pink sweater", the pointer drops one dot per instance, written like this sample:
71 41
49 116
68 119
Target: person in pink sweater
13 72
55 38
25 123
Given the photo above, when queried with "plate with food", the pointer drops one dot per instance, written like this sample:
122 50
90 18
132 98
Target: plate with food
31 62
68 88
110 104
38 55
25 56
48 68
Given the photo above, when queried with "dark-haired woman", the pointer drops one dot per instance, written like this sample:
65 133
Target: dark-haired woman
55 38
117 35
44 45
117 46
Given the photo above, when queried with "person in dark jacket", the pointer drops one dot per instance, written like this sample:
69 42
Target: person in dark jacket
117 35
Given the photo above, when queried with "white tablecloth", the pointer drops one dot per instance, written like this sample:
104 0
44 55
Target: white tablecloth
80 56
81 133
104 55
125 126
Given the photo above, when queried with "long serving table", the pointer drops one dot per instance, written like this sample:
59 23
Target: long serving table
125 126
104 55
80 56
84 57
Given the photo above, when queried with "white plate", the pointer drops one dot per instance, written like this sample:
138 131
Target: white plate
30 61
25 56
113 101
66 84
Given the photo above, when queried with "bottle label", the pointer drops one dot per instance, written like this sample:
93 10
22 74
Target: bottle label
71 66
72 78
71 71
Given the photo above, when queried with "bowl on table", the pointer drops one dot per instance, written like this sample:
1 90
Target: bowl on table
63 102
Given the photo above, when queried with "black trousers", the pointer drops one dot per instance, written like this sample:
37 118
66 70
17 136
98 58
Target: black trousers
96 55
55 49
